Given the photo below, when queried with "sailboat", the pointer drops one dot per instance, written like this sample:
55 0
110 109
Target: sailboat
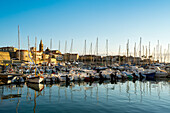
34 78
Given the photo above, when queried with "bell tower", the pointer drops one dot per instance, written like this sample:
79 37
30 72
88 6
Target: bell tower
41 46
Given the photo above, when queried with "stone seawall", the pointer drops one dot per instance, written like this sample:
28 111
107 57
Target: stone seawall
4 56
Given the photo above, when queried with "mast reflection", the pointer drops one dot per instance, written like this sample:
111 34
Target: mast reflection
37 88
96 92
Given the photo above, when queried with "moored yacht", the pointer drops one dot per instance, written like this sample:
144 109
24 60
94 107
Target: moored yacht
34 78
158 72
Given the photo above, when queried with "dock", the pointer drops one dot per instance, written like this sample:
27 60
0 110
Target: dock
14 74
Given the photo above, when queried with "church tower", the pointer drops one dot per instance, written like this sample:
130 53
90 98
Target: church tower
41 46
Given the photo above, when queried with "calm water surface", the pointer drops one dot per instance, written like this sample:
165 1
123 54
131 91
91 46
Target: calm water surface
126 96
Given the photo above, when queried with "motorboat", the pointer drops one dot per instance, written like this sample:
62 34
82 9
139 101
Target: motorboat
18 79
158 72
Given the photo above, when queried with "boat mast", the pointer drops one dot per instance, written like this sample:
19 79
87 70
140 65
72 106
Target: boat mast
149 53
28 47
96 51
28 44
119 53
71 48
164 55
97 47
143 51
128 51
51 44
154 55
143 54
44 56
59 46
168 52
19 42
106 51
50 51
135 54
161 53
158 51
140 47
146 55
90 52
85 47
84 50
35 54
66 46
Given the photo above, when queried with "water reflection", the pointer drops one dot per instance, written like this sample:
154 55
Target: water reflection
102 91
37 88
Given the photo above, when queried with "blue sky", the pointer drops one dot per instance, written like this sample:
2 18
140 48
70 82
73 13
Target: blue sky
115 20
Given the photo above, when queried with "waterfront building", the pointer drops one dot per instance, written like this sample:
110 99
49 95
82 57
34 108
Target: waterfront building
86 58
4 56
53 54
41 46
47 51
45 56
91 59
57 55
8 49
39 55
32 49
109 60
11 50
23 55
70 57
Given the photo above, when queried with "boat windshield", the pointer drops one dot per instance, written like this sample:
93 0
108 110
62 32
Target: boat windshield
158 68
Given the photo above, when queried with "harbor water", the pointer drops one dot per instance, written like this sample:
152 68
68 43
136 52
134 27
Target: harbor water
75 97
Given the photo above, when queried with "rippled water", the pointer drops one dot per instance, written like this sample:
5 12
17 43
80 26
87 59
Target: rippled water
126 96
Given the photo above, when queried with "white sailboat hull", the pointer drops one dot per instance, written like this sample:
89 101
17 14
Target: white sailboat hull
38 79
